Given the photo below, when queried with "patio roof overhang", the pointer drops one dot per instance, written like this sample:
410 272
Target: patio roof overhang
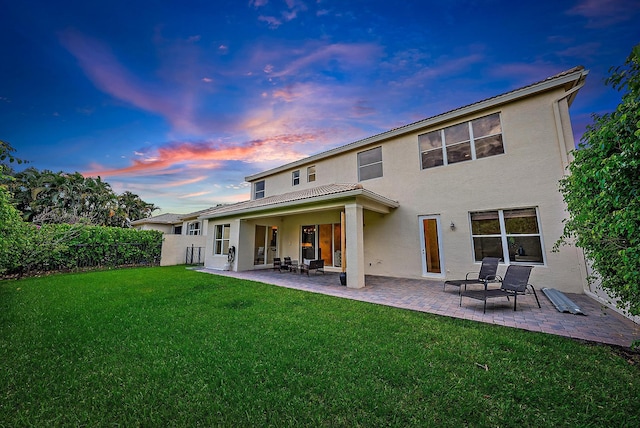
320 198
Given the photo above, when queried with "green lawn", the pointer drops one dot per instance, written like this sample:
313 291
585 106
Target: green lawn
174 347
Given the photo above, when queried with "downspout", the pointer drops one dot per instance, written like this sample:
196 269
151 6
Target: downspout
558 119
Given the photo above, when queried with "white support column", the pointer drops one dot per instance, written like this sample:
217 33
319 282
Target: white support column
354 248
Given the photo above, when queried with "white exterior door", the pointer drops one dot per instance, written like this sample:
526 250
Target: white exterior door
431 239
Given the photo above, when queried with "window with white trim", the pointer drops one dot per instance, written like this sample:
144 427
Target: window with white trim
295 177
370 164
311 173
258 190
221 239
475 139
512 235
193 228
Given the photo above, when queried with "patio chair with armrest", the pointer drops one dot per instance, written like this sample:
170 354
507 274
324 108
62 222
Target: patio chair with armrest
488 271
277 263
515 282
286 264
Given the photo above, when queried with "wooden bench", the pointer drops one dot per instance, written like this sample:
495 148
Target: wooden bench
315 265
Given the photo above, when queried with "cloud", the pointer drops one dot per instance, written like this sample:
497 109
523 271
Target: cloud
604 13
586 51
348 56
173 157
193 195
524 73
173 102
258 3
272 21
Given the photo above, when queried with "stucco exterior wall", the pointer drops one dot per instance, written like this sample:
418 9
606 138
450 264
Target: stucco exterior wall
526 175
174 248
164 228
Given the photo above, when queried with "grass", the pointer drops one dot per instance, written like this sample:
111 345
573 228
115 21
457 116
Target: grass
173 347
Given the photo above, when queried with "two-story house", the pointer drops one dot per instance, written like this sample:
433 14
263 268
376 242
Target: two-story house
426 200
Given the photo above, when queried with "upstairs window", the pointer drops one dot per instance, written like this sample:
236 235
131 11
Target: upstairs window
194 228
471 140
258 190
295 177
370 164
311 174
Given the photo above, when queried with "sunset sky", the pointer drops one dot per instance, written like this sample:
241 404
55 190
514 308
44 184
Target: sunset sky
179 101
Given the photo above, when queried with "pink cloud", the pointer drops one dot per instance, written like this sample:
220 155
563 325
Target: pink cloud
105 71
347 55
208 155
604 13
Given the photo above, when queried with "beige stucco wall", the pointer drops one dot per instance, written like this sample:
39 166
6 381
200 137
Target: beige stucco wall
164 228
526 175
174 248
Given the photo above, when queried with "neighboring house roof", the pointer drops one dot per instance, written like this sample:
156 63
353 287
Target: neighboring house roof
167 218
317 194
569 79
194 215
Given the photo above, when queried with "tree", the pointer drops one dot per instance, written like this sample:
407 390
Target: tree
11 225
602 191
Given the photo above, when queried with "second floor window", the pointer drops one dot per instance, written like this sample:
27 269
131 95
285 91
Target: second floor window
295 177
478 138
258 190
311 174
194 228
370 164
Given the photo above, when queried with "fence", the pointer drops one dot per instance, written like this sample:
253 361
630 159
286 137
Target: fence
194 255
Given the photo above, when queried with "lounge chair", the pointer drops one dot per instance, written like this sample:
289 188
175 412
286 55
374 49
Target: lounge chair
488 271
515 282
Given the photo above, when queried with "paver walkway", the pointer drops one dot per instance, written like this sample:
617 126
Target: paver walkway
599 324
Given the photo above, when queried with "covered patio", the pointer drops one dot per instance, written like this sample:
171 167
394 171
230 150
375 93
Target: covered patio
599 324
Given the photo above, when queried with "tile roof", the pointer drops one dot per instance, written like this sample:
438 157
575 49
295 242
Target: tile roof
302 196
168 218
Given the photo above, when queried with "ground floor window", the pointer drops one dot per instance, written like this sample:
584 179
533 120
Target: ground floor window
512 235
221 239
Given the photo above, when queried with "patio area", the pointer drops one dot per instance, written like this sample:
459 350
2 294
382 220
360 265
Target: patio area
599 324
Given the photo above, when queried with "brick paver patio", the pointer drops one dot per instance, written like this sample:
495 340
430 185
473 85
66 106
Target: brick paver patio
599 324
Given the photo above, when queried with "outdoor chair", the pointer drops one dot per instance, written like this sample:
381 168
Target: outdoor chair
515 282
277 263
488 271
315 265
295 267
286 264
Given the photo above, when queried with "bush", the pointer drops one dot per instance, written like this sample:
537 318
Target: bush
63 247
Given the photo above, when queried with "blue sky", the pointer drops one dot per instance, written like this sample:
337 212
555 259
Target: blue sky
179 101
